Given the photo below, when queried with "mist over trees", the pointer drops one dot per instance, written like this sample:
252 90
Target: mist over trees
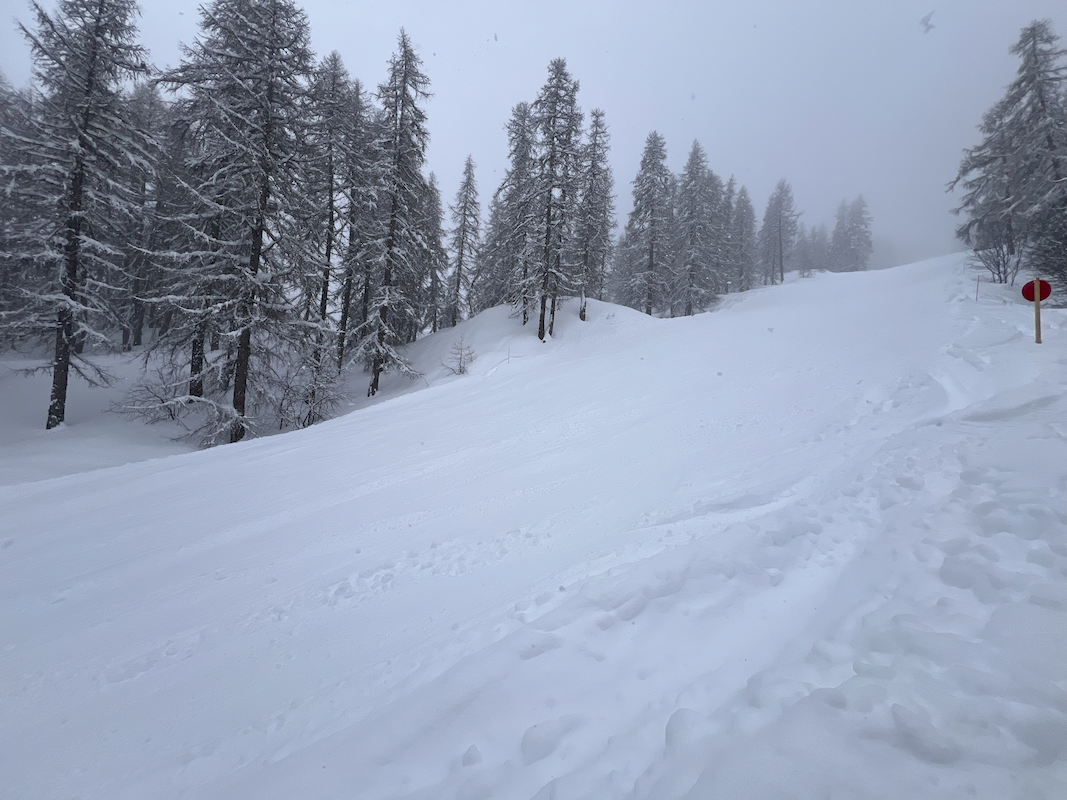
692 238
255 225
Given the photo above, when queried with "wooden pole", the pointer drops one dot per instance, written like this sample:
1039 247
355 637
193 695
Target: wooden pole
1037 310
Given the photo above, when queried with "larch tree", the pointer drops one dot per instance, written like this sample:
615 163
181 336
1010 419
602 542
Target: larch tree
402 153
778 232
362 192
506 269
851 242
464 244
326 164
1015 180
647 246
153 189
743 241
69 175
724 222
243 86
695 209
435 260
16 268
558 121
595 213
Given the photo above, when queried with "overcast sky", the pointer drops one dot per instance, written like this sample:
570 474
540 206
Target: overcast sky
840 97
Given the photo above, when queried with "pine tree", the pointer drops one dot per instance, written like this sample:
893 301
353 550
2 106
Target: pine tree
851 243
724 237
695 208
1015 179
506 272
244 92
67 174
743 240
152 190
819 247
861 240
362 192
595 213
465 243
646 253
558 122
402 148
16 111
325 163
777 235
435 303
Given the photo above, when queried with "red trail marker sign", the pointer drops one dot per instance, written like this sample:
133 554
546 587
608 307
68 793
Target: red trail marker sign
1034 292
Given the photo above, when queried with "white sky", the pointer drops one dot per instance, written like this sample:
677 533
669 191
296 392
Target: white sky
840 97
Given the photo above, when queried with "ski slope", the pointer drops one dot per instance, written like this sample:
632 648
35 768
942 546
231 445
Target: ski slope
811 545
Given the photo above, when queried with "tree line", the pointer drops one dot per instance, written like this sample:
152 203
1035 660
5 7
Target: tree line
254 222
693 237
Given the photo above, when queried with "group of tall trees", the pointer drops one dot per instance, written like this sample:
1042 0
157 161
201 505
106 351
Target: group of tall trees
548 235
693 237
1014 181
255 221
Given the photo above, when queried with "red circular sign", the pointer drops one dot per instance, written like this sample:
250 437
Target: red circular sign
1028 290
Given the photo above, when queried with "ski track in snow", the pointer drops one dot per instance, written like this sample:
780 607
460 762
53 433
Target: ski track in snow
748 554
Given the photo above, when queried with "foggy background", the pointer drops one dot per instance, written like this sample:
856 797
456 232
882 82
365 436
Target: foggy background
840 97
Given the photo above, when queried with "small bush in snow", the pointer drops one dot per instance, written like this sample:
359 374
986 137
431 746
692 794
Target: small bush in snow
460 357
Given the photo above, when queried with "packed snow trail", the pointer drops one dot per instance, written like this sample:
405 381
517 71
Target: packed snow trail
812 544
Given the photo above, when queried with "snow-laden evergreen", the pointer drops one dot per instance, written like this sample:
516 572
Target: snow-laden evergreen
1015 180
591 243
465 243
850 244
68 171
646 250
778 233
393 315
243 87
697 207
506 271
557 120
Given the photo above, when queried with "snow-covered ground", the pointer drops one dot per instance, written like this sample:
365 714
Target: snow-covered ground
811 545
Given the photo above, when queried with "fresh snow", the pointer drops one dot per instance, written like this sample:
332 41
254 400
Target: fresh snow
810 545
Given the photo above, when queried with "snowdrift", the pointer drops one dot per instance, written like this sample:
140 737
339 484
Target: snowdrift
812 544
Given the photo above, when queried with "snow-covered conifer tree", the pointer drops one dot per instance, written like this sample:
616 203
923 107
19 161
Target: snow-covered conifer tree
743 241
68 174
646 253
402 148
506 271
465 243
243 87
591 243
558 122
851 243
1015 179
435 259
778 232
695 207
362 189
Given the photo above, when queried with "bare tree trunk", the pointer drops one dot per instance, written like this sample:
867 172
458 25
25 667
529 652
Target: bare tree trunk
196 361
57 406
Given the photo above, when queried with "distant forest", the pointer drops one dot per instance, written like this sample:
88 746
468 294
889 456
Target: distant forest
254 223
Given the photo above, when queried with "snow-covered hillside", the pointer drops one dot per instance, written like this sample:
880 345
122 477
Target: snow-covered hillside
811 545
